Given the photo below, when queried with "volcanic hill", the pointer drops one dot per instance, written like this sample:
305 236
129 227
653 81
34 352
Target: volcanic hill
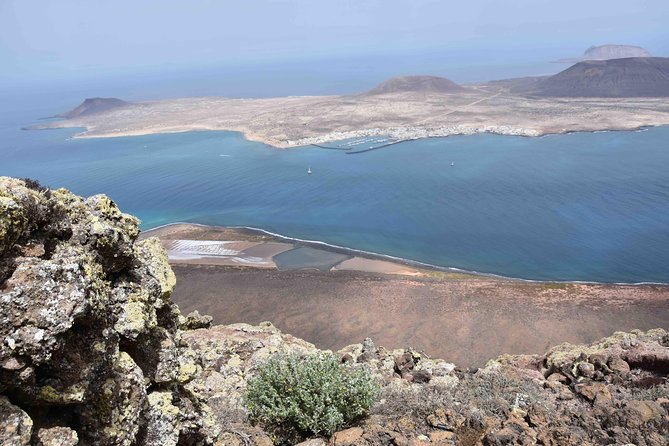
431 84
615 78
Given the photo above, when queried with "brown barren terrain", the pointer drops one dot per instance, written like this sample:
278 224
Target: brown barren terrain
463 318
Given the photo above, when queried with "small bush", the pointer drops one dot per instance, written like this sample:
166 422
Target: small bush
649 393
299 397
416 403
496 391
37 187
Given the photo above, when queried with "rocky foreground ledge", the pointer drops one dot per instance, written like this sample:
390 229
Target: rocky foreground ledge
93 352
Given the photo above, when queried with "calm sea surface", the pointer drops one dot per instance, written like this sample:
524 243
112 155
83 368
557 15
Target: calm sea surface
584 206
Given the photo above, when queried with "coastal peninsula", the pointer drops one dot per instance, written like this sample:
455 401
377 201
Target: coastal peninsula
403 108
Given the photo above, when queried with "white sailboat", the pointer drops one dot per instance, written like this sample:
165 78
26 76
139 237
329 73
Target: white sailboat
309 170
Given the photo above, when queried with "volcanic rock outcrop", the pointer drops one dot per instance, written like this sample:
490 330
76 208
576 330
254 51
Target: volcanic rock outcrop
93 352
91 347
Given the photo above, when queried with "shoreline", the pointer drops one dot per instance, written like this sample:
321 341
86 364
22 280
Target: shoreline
481 316
402 134
394 259
296 121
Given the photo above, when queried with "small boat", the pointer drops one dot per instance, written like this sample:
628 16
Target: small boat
309 171
452 164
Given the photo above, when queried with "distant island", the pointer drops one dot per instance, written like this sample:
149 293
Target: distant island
606 52
617 94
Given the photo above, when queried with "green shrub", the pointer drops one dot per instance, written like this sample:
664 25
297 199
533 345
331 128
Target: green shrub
299 397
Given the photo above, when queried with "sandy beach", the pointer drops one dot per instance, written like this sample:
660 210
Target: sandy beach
463 318
207 245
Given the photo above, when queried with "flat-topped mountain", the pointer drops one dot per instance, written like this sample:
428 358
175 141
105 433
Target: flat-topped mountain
615 78
416 84
606 52
93 105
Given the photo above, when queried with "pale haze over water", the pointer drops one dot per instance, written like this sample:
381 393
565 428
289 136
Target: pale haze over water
147 49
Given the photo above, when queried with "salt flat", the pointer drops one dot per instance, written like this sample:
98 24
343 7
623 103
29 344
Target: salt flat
395 304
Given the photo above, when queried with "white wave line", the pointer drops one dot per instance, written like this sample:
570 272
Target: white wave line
407 261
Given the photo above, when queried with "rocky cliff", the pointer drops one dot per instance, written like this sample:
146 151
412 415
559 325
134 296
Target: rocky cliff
93 352
91 344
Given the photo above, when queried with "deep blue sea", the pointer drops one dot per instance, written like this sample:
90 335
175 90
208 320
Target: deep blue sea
583 206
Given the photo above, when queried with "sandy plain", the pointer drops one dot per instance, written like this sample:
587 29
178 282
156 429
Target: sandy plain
464 318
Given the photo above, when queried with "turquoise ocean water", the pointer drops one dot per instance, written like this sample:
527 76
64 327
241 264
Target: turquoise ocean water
584 206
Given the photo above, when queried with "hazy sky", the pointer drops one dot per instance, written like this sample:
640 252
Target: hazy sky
79 38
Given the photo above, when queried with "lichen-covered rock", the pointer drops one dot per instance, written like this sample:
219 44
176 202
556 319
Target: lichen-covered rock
86 323
137 316
195 320
643 349
57 436
15 425
197 420
114 404
162 421
109 232
12 222
43 298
